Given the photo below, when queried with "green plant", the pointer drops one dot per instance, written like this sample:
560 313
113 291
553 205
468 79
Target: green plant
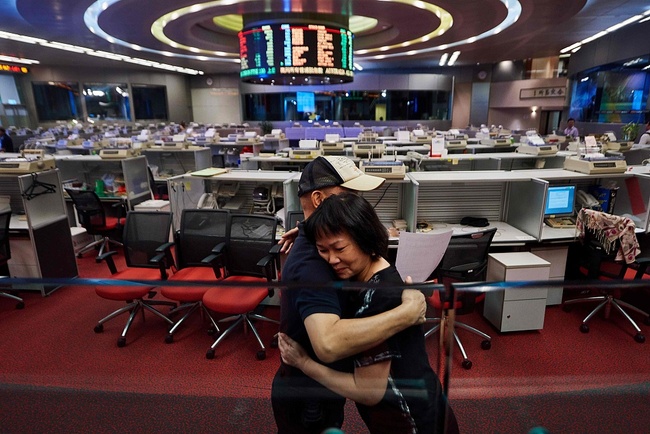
630 131
266 127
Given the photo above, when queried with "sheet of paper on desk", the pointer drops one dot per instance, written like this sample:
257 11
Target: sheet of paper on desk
210 171
418 254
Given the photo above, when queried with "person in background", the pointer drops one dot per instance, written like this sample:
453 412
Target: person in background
645 137
393 384
321 319
6 144
571 130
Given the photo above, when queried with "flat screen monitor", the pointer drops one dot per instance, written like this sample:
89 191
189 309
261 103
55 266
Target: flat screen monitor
560 200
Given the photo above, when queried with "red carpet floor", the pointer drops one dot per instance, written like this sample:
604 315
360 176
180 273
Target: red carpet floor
58 375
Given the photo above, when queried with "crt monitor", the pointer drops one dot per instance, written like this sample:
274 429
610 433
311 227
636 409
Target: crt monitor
560 200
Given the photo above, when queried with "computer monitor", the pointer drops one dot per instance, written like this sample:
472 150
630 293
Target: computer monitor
560 201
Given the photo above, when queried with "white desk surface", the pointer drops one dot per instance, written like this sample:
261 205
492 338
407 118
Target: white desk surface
470 176
556 234
519 259
505 234
18 222
252 175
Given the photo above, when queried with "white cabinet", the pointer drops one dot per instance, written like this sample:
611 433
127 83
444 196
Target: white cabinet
518 308
557 256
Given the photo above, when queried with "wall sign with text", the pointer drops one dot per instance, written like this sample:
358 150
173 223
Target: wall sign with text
543 92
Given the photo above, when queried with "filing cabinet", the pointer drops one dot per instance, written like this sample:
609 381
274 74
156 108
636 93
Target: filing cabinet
516 309
557 256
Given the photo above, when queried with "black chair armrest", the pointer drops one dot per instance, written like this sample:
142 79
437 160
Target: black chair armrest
265 261
164 259
217 251
214 259
642 267
165 247
108 257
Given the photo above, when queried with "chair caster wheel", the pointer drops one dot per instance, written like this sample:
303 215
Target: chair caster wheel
261 355
486 345
274 342
210 354
169 339
639 338
121 342
20 305
467 364
99 328
212 331
584 328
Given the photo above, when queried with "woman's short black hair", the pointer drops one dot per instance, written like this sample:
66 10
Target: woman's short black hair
351 213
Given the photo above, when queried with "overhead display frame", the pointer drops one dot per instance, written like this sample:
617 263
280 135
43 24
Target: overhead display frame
296 50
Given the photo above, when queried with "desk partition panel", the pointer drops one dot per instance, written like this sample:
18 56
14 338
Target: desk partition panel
387 200
173 162
525 206
451 201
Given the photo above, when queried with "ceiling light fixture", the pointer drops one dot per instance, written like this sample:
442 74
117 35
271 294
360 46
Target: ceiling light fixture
576 46
91 19
443 59
96 53
514 10
453 58
13 59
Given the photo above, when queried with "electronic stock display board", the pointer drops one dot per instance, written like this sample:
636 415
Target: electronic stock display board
280 52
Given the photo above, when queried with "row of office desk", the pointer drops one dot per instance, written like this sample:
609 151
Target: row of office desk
512 201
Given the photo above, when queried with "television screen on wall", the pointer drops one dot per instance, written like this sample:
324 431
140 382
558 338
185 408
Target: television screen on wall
611 96
150 102
622 93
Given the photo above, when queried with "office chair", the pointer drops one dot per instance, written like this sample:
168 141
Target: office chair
465 260
5 255
147 252
203 234
292 218
608 250
93 218
250 256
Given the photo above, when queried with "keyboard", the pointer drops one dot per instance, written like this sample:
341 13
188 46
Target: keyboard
560 222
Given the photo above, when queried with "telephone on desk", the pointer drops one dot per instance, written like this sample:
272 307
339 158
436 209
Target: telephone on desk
561 222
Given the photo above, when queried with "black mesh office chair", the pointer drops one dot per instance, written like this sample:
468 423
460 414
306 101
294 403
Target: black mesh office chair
147 252
292 218
93 218
5 255
465 260
203 234
250 256
597 261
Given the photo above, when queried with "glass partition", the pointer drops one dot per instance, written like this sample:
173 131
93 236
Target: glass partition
379 105
554 380
107 101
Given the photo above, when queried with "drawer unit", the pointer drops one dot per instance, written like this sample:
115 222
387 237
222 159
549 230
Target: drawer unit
519 308
557 256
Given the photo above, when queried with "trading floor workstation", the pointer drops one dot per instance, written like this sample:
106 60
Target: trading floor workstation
520 204
484 185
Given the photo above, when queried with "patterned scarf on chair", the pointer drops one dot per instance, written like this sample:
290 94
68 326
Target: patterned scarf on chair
608 228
